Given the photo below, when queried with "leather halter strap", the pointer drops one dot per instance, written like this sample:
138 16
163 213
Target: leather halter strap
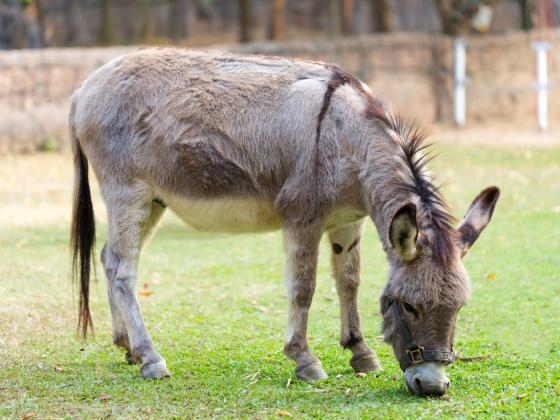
414 353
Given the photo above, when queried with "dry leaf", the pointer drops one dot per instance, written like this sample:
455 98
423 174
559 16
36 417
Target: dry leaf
250 375
104 397
289 382
283 413
29 416
491 276
360 374
474 359
59 369
521 396
145 293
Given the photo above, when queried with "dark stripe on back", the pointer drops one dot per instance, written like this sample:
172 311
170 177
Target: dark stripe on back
374 107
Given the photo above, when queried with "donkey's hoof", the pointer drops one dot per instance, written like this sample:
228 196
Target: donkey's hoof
155 370
365 363
311 372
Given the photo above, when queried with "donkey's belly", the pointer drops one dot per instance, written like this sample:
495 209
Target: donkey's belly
234 215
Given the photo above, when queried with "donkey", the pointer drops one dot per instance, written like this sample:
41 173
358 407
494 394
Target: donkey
239 143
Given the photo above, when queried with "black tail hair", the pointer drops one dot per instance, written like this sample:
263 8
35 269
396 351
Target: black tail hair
82 237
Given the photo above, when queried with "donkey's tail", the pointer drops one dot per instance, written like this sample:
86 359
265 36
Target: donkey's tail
82 236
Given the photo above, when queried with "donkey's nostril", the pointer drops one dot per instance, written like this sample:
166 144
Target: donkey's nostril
418 384
447 385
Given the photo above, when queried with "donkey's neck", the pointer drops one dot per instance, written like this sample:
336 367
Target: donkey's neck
384 176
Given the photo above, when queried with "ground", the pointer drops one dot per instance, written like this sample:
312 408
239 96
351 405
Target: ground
216 309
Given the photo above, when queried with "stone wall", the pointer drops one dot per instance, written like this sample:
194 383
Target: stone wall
35 87
413 72
501 83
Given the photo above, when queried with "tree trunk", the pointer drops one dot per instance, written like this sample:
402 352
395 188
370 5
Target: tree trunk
334 24
42 22
147 22
175 19
348 16
71 21
445 11
245 21
527 7
455 16
442 77
105 32
384 15
189 16
277 20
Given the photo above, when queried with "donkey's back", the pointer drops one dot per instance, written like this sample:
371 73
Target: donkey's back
200 123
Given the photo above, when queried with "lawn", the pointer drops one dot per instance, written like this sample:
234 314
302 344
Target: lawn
216 308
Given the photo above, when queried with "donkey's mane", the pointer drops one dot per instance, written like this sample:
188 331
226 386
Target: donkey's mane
432 206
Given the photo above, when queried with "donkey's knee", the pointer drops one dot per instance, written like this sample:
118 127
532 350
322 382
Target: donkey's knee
110 261
120 274
301 294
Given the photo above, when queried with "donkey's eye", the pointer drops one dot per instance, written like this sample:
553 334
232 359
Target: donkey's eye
409 308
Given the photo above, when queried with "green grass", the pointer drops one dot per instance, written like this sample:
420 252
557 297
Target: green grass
206 317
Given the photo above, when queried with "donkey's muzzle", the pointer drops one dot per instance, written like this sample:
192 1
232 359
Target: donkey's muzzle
427 379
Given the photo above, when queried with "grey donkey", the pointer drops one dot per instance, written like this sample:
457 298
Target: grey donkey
236 143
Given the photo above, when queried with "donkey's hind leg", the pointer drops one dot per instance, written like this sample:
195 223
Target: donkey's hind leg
345 243
120 336
131 220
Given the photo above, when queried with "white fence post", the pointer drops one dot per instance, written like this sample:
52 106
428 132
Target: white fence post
541 49
460 81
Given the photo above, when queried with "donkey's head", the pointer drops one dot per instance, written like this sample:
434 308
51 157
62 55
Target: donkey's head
427 287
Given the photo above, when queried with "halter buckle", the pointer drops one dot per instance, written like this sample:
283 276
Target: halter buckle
416 354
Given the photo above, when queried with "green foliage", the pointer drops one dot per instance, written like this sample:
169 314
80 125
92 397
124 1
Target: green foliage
217 312
50 144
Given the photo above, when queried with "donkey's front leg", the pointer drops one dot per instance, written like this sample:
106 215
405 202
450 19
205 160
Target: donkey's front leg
129 211
301 244
346 271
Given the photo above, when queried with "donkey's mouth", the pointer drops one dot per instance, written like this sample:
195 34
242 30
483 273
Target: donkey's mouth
427 379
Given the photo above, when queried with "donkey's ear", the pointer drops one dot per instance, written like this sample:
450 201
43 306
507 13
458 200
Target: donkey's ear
403 232
477 218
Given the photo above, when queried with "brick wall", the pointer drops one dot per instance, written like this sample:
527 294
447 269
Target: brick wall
413 72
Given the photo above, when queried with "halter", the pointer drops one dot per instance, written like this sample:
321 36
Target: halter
416 354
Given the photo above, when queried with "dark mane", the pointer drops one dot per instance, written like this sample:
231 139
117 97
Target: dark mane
432 206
